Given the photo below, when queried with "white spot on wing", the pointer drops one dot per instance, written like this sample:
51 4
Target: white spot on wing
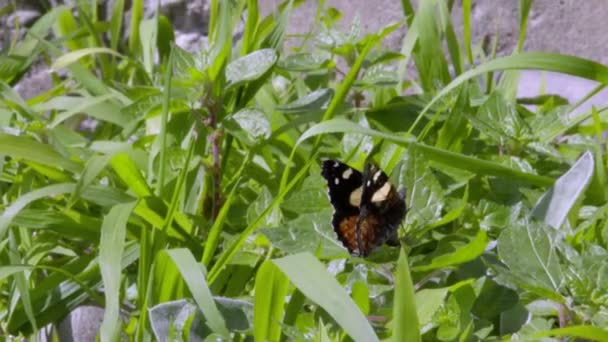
355 197
336 164
369 183
381 194
336 180
377 175
347 173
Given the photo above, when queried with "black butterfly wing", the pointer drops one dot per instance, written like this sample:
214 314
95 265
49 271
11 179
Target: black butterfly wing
381 211
344 184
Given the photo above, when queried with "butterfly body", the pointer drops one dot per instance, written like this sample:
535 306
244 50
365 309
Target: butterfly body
367 208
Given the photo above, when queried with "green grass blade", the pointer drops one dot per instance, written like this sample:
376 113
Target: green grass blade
586 332
94 166
233 249
148 30
524 13
127 170
409 42
72 57
116 22
269 302
193 274
162 135
172 212
569 65
23 201
216 229
220 40
99 107
87 79
22 147
452 159
64 26
405 317
112 243
214 15
21 282
429 57
137 14
451 39
251 26
340 95
312 278
466 26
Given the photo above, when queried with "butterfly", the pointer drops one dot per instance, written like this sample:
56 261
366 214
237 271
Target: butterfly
367 208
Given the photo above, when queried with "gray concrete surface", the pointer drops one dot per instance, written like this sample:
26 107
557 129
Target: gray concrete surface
560 26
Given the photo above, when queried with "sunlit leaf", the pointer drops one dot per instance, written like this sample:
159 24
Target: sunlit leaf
553 207
311 277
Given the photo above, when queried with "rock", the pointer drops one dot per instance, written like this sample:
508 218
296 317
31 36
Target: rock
22 18
190 41
35 82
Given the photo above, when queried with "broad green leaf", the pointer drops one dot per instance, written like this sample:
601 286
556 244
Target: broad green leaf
428 301
111 247
231 251
512 320
170 319
530 251
493 300
307 233
248 125
311 277
184 319
464 254
496 109
314 101
553 207
250 67
360 293
424 197
377 76
303 62
311 200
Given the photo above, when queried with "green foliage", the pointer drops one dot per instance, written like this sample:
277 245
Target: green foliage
195 207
